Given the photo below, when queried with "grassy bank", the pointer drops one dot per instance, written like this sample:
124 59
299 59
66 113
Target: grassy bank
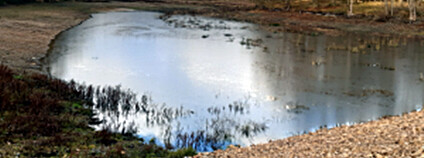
43 117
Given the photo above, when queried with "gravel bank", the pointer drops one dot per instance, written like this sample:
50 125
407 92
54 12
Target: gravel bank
397 136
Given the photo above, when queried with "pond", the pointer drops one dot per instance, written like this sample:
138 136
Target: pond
224 82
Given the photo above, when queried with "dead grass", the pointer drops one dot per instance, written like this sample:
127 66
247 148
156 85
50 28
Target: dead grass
372 8
44 117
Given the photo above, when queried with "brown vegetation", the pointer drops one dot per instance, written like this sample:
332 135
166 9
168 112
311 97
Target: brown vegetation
43 117
26 33
349 7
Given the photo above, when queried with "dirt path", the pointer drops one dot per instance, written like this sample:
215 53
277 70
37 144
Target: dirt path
389 137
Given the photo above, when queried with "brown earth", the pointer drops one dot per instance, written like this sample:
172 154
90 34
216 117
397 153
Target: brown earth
399 136
309 21
25 39
27 30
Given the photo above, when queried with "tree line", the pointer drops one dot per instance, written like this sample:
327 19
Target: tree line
412 6
388 5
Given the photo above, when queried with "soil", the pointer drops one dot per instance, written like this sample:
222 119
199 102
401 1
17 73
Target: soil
307 21
26 35
397 136
25 39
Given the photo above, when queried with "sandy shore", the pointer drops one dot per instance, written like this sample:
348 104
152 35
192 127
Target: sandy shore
27 33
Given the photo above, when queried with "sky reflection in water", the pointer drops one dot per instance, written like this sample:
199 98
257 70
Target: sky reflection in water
285 83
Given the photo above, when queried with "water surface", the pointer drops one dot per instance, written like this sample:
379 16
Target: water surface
239 84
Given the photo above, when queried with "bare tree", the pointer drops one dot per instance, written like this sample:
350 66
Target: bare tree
333 2
412 10
350 12
315 3
386 7
288 5
391 7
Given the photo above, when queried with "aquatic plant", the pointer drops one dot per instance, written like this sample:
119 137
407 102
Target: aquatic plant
62 112
43 117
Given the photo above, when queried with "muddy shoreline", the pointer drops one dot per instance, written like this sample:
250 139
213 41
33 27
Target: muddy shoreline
308 22
27 35
27 40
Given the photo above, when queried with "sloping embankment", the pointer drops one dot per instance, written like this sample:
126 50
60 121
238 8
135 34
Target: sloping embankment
397 136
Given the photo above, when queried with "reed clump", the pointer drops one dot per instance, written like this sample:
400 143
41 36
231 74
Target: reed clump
43 117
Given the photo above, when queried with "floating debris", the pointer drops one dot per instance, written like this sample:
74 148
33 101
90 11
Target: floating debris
318 62
354 50
393 43
333 46
377 47
296 108
265 50
228 35
377 65
194 23
388 68
251 42
205 36
271 98
369 92
421 76
307 50
244 27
